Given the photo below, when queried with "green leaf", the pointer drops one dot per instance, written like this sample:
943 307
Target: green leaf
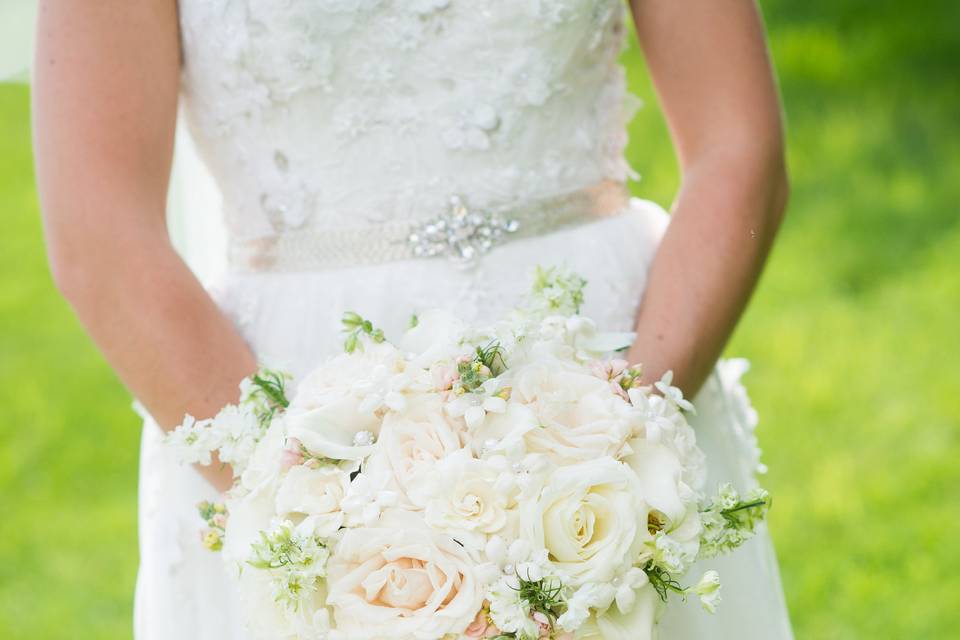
351 319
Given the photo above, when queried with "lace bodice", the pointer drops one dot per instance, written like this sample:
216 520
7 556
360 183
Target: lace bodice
325 114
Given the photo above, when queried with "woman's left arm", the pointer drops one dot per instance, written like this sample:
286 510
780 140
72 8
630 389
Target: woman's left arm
710 66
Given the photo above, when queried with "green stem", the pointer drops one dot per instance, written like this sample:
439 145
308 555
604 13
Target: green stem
747 505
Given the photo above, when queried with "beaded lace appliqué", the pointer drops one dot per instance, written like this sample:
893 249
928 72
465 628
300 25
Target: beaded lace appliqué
308 111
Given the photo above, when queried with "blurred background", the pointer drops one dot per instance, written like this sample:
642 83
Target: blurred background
854 336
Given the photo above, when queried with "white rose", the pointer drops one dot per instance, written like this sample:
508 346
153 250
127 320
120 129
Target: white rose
663 423
371 491
414 440
401 580
316 493
266 620
435 338
470 500
347 374
265 463
658 469
591 520
249 515
333 403
589 596
330 431
505 432
577 416
673 507
638 623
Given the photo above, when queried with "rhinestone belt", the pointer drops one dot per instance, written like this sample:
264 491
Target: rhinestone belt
461 234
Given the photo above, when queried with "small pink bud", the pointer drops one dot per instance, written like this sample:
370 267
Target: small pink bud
620 391
599 369
617 366
445 377
292 455
543 624
478 628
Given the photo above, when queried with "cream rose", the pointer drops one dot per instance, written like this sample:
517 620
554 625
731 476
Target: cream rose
414 441
565 413
470 500
316 494
401 580
590 518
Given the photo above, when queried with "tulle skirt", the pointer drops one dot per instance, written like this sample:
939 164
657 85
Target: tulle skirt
292 321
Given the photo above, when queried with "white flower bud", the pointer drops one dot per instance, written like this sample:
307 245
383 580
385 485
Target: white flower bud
519 551
496 550
395 400
709 590
474 417
495 405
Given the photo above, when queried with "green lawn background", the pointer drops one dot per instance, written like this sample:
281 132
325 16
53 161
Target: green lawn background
854 336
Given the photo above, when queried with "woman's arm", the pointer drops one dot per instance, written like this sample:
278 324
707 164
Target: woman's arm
105 101
709 62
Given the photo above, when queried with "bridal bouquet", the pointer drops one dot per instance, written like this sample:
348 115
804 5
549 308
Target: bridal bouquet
504 482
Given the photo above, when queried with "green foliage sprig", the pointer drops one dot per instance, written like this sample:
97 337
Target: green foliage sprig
544 595
488 362
662 582
266 394
356 326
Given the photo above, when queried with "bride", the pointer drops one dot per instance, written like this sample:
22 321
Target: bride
334 130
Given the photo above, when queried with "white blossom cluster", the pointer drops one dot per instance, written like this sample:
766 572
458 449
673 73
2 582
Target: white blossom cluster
504 482
233 433
730 520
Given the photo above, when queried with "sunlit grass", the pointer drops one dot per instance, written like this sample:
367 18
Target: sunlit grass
855 330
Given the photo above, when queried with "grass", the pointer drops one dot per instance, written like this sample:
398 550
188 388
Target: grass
69 443
855 331
854 335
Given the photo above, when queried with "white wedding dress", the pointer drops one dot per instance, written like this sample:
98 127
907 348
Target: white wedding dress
335 128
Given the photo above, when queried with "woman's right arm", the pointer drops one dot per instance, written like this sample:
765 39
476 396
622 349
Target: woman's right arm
104 113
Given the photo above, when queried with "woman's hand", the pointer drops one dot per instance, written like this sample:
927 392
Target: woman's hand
709 61
105 102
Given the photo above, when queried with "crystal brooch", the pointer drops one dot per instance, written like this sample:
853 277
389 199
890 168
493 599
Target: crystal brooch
461 234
